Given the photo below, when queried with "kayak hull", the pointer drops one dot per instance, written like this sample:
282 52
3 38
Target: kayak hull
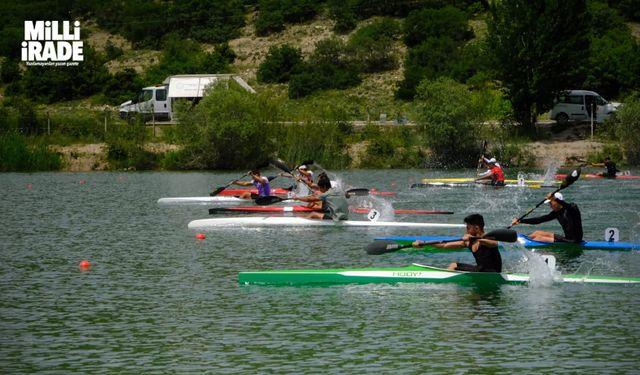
287 209
528 243
415 273
469 179
303 222
472 184
222 200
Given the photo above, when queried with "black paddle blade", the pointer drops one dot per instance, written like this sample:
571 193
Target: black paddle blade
357 192
381 247
503 235
269 199
217 191
278 163
571 178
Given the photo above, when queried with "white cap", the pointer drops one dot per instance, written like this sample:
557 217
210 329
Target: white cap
492 161
557 195
303 167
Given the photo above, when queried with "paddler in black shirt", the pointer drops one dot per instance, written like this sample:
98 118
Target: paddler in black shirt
609 165
485 251
567 214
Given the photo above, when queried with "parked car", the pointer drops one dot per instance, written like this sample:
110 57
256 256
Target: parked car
574 105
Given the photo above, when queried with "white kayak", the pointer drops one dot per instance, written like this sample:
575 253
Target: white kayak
203 200
299 221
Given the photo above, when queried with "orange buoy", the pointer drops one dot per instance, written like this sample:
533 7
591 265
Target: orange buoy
201 236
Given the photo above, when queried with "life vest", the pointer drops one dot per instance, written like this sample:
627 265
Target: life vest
497 174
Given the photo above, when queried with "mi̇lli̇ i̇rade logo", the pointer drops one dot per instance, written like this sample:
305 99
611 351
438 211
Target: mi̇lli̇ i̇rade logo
47 43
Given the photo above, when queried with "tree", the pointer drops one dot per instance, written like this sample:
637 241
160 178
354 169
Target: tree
537 47
447 115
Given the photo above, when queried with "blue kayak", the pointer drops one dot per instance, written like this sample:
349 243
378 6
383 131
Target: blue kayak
529 243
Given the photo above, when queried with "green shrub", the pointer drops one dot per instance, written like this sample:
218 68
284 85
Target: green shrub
628 129
280 63
22 154
447 116
423 24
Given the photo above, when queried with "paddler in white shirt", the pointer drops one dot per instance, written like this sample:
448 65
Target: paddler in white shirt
331 201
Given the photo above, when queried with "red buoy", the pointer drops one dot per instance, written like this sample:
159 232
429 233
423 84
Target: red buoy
84 265
201 236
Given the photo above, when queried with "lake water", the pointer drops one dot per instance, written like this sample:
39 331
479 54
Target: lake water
157 300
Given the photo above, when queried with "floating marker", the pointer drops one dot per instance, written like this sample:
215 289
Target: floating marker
200 236
84 265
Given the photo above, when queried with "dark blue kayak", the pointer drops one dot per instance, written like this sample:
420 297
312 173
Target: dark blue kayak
527 242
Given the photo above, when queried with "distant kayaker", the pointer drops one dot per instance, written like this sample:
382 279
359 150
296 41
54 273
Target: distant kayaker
610 165
261 183
485 251
494 174
566 213
332 202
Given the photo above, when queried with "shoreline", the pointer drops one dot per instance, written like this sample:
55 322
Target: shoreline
93 157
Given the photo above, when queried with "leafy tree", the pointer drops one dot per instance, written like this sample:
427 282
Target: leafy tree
329 67
122 86
434 23
447 116
230 128
52 84
627 129
536 47
429 60
372 46
280 63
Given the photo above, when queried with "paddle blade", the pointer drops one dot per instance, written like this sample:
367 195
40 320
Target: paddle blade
571 178
278 163
218 191
357 192
381 247
270 199
503 235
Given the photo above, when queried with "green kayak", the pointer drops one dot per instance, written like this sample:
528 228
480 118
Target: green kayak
415 273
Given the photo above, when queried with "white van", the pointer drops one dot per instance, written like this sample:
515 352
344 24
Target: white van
573 105
157 101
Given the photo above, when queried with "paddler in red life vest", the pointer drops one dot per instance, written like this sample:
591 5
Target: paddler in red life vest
494 175
261 183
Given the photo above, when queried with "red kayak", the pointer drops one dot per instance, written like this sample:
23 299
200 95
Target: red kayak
274 191
250 209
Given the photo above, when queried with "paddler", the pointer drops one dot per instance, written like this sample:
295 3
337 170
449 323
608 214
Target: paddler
261 183
484 251
610 165
494 174
331 201
566 213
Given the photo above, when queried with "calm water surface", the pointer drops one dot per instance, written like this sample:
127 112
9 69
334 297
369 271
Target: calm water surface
156 300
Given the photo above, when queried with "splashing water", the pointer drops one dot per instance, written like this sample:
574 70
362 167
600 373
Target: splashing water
550 172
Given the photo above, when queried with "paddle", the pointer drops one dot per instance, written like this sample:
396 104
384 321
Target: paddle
484 147
264 201
381 247
568 180
222 188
